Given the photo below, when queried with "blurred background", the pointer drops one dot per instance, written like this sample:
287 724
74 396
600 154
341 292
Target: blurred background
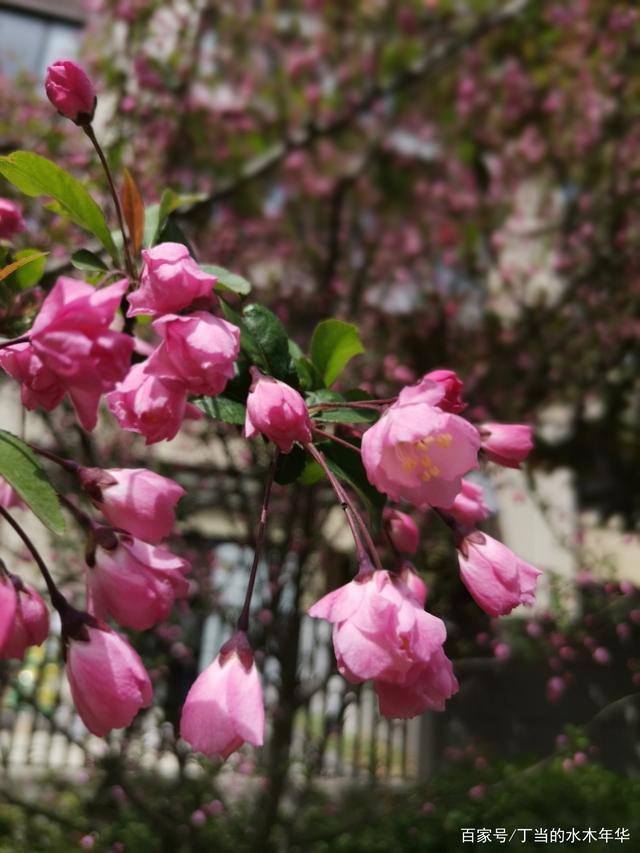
460 179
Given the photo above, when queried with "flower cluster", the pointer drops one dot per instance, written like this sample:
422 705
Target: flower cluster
416 449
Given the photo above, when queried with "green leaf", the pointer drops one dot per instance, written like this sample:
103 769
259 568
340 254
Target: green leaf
222 409
36 176
25 264
347 465
341 415
311 474
267 344
156 214
228 280
333 345
21 469
83 259
290 465
307 373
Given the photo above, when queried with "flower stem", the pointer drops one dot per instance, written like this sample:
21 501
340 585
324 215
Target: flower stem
57 598
336 438
243 619
353 516
67 464
81 517
131 269
23 340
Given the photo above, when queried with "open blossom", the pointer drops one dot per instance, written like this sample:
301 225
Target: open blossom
72 338
135 582
70 91
134 499
108 681
380 629
30 623
39 386
9 497
224 707
469 507
277 411
170 280
402 530
199 350
495 577
452 386
506 444
416 451
426 688
11 221
146 404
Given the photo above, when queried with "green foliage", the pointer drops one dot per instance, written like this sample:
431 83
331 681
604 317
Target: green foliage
21 469
88 261
333 345
26 270
156 215
264 340
223 409
36 176
347 465
227 280
343 415
291 465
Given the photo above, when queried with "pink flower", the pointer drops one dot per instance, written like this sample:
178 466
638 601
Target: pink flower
39 386
469 507
72 338
277 411
11 221
426 688
70 91
497 579
146 404
506 444
30 623
417 452
452 386
134 582
224 707
108 681
412 579
402 530
170 280
380 629
9 497
8 603
134 499
199 350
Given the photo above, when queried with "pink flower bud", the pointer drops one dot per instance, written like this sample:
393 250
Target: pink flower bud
277 411
414 582
39 386
224 707
134 582
402 530
11 221
108 681
170 280
199 350
134 499
452 386
506 444
495 577
8 603
70 91
9 497
469 507
417 452
380 629
71 336
146 404
30 623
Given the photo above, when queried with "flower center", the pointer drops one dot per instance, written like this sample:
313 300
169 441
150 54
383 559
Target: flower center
416 455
